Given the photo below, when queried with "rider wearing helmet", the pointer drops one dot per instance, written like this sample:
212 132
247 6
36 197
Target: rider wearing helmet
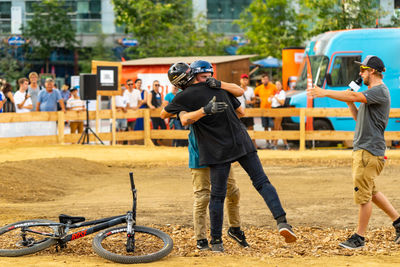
179 74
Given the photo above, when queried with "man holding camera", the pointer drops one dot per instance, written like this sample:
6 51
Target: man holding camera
368 145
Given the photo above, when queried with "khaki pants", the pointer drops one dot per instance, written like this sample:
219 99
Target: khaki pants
366 167
76 125
201 190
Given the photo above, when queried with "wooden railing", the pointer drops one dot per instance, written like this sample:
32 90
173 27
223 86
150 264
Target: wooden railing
147 134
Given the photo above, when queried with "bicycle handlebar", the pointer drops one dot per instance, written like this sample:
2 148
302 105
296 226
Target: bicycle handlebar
132 182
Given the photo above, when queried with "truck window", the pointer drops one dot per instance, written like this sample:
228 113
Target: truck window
344 70
319 66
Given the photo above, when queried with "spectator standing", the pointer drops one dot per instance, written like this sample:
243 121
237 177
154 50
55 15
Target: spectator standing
247 100
121 104
75 103
174 122
23 102
134 100
278 101
33 88
65 93
8 102
369 145
154 100
265 91
2 97
48 99
143 93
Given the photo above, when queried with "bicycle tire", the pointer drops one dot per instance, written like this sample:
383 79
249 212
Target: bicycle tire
9 234
146 233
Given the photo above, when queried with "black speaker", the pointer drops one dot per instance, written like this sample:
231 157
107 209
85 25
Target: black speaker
88 86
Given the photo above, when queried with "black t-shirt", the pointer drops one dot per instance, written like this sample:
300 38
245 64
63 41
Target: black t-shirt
220 137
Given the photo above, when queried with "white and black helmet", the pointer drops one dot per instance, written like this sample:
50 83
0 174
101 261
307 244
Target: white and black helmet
179 74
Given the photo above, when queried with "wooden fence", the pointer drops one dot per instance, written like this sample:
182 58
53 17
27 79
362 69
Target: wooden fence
147 134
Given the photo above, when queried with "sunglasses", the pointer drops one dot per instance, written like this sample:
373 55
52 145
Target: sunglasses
362 68
156 85
129 83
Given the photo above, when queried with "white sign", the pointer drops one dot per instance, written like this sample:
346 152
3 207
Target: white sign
107 77
298 57
16 19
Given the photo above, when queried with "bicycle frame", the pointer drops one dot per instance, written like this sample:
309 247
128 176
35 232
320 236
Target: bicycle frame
100 224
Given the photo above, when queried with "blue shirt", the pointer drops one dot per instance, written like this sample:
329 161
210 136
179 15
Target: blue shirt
48 101
1 99
193 151
169 97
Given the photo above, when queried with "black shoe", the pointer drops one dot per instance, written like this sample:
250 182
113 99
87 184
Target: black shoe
238 236
286 231
202 244
397 227
216 245
354 242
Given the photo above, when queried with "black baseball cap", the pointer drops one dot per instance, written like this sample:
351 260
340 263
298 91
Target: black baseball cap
373 62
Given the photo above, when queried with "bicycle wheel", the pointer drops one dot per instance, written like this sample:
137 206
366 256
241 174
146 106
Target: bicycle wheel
24 237
150 245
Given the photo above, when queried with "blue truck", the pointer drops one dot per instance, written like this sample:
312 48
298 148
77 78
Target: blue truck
331 56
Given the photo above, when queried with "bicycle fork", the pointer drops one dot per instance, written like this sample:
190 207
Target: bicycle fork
130 233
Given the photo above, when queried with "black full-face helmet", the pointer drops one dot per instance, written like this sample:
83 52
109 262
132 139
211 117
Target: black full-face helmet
179 74
201 66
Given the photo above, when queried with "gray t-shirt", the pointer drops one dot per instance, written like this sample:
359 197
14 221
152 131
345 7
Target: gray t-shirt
372 120
34 95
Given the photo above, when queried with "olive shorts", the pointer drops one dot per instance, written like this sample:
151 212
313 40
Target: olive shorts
366 167
201 189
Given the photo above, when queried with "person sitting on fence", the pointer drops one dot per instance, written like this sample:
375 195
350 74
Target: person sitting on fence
23 102
278 101
48 99
75 103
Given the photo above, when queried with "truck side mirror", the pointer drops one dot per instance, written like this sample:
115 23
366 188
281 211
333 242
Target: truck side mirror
328 78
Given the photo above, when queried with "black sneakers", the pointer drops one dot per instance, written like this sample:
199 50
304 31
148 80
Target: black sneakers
286 231
397 227
354 242
202 244
238 236
216 245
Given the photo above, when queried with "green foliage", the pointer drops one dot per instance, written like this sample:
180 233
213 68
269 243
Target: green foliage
10 68
270 26
98 52
165 28
49 28
395 19
330 15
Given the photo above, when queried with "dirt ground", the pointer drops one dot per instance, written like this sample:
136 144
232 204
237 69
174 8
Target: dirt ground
92 181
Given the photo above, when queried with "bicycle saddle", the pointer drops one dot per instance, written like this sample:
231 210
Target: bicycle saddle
66 218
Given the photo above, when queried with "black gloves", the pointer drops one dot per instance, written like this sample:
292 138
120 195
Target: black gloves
213 83
214 107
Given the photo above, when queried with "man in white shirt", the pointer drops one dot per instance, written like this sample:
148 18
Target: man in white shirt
23 102
134 100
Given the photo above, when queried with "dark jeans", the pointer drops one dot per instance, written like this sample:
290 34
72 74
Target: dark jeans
219 175
267 122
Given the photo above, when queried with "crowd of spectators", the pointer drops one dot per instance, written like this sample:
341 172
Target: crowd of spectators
31 96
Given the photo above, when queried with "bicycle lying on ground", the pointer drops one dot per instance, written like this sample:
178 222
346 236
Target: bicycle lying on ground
126 244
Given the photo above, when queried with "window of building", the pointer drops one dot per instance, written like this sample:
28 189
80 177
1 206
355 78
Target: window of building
221 15
397 4
5 17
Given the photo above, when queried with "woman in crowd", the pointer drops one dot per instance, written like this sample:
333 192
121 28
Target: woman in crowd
278 101
8 101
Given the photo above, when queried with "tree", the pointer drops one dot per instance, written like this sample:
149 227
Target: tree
330 15
166 28
12 66
270 26
49 29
